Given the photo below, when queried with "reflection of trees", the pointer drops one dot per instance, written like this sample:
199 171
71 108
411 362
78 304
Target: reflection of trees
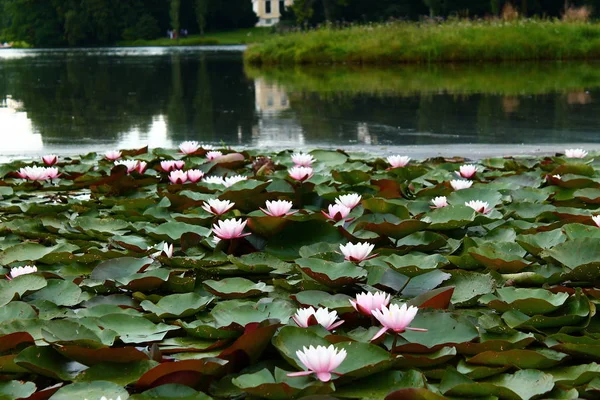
99 97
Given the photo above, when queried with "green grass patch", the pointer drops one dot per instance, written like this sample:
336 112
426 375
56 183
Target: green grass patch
240 36
453 41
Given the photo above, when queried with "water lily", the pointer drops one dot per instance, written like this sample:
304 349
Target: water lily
168 250
306 317
112 155
398 161
479 206
320 360
367 302
189 147
217 180
230 229
232 180
467 171
439 202
52 173
576 153
178 176
33 173
131 165
213 155
302 159
17 271
596 219
167 166
300 173
350 200
357 252
396 318
217 207
194 175
336 212
141 168
50 159
278 208
557 176
459 184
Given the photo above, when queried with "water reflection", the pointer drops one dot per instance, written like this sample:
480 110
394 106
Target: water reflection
71 101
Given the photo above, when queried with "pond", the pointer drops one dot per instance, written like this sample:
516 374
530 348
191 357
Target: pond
74 101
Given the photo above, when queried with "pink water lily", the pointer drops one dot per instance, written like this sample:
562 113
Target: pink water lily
131 165
168 166
357 252
398 161
439 202
213 155
37 173
302 159
50 159
300 173
350 200
189 147
336 212
52 173
194 175
278 208
367 302
479 206
141 168
178 176
467 171
395 318
230 229
459 184
112 155
218 207
576 153
320 360
17 271
306 317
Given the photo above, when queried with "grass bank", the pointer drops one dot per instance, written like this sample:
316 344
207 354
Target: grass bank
453 41
240 36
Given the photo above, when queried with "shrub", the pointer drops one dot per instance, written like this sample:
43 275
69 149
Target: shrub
146 28
577 14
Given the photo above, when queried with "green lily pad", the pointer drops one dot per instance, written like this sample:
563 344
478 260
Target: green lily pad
330 273
171 391
519 358
177 305
120 374
236 288
91 391
528 301
414 264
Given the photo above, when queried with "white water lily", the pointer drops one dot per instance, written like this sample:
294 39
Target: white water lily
367 302
395 318
218 207
213 155
320 360
302 159
350 200
357 252
300 173
112 155
459 184
576 153
479 206
27 269
278 208
232 180
168 250
216 180
596 219
322 316
439 202
189 147
230 229
131 165
467 171
398 161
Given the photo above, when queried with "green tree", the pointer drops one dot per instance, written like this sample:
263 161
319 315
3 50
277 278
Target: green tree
174 9
201 10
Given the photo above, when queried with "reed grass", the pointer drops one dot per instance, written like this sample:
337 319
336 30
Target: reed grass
451 41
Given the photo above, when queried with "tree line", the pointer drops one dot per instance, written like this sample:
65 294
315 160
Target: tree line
105 22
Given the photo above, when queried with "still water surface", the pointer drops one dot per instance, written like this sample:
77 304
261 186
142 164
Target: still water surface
72 101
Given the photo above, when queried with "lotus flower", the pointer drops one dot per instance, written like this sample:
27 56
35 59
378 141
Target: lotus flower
467 171
131 165
479 206
337 212
357 252
217 180
300 173
439 202
33 173
178 176
17 271
396 318
189 147
398 161
168 250
459 184
194 175
302 159
112 155
306 317
596 219
52 173
141 168
217 207
320 360
213 155
576 153
278 208
232 180
230 229
348 200
367 302
50 159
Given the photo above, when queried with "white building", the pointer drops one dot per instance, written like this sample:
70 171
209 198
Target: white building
269 11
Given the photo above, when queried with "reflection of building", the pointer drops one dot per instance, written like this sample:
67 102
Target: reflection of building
270 98
269 11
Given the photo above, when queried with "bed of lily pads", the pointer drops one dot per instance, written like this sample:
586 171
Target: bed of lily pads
508 297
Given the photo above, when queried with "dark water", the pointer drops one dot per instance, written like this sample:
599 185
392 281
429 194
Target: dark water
97 99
